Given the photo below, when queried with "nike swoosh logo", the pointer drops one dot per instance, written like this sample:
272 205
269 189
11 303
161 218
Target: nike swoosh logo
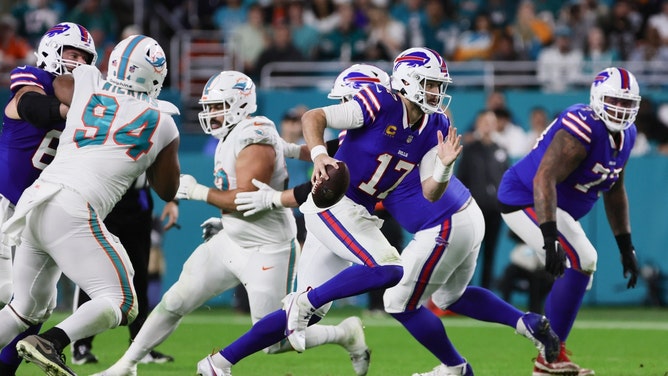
44 350
267 267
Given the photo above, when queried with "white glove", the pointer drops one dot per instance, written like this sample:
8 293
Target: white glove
189 189
258 201
211 227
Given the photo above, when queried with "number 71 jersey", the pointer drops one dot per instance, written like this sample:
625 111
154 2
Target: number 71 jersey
111 137
598 172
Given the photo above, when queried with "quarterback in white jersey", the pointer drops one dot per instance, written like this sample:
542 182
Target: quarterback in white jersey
116 129
260 251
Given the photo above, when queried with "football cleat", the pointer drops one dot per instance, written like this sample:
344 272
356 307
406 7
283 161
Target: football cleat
83 355
43 354
298 311
119 369
463 369
354 343
206 367
156 357
562 366
537 328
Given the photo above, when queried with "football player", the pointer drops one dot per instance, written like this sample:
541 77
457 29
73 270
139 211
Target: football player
259 251
116 129
579 157
345 254
32 123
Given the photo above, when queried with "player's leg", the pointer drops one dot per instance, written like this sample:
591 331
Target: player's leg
564 300
206 273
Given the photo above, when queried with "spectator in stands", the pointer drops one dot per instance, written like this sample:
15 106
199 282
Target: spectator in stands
559 66
322 14
530 32
386 35
98 16
413 14
438 30
346 42
280 48
36 17
228 16
659 21
249 39
538 122
649 50
305 37
476 43
622 27
598 54
14 49
509 135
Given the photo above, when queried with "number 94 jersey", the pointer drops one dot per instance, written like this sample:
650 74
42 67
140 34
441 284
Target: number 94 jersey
110 138
598 172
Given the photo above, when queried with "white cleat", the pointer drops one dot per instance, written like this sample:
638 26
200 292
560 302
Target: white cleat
463 369
118 370
206 367
360 355
298 312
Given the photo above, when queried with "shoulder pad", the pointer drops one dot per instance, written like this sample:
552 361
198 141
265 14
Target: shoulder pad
168 107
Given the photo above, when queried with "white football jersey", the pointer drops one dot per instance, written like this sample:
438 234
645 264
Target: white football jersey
270 226
110 138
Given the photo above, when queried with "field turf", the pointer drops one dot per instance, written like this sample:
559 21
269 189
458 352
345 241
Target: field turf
612 341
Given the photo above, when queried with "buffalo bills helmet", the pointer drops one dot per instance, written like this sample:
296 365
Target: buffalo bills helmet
236 92
354 78
615 98
412 69
66 34
138 63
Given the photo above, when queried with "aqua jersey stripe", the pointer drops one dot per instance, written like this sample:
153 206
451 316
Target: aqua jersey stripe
125 56
121 270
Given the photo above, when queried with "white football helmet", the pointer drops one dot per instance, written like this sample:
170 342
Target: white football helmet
138 63
412 68
66 34
352 79
615 98
236 92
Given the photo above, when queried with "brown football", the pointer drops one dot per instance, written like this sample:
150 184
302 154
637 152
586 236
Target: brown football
328 192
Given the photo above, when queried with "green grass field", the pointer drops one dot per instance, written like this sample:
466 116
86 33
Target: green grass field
614 342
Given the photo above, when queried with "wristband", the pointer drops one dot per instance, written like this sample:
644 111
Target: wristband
276 200
200 192
317 150
624 242
292 151
442 173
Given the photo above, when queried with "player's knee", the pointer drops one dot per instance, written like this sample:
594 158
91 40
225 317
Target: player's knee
390 274
130 315
173 302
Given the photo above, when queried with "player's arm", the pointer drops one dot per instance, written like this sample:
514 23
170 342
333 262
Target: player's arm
163 174
255 161
562 157
437 164
616 204
30 103
340 116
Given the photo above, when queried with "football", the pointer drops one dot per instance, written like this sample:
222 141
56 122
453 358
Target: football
328 192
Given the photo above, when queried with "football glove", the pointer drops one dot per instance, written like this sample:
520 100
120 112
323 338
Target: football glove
264 198
211 227
189 189
629 260
555 257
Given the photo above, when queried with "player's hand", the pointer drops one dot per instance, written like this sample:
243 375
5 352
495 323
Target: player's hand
555 257
189 189
320 167
171 213
258 201
630 265
450 147
211 227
